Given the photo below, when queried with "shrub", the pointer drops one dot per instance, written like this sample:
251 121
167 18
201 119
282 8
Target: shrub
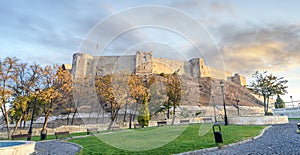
144 115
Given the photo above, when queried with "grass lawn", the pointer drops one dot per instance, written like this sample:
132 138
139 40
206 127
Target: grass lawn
297 119
190 139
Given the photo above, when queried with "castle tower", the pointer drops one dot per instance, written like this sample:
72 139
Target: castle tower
204 70
80 64
143 63
238 79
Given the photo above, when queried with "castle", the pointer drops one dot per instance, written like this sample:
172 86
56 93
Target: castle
143 63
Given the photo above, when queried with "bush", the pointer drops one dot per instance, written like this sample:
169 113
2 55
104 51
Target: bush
269 114
144 115
144 120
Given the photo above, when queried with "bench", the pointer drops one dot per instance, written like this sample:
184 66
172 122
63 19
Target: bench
137 126
88 131
161 123
13 137
67 133
186 121
206 119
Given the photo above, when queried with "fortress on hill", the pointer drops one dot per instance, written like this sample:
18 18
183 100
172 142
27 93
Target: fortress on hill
143 63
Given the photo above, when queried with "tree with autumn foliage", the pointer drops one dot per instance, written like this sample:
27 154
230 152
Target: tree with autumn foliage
137 91
56 86
27 80
174 92
112 89
8 75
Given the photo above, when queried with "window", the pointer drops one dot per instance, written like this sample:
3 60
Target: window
145 58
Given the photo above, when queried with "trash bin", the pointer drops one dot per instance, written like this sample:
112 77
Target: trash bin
44 134
218 134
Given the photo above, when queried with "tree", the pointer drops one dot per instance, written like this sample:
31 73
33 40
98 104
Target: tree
55 87
279 103
137 90
267 86
67 92
144 115
26 82
173 92
112 89
8 77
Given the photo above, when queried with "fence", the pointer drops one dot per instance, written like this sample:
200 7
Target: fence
290 112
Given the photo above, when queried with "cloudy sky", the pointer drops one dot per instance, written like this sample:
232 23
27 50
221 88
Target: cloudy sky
237 35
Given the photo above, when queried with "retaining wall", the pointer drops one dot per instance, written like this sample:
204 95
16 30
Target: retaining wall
258 120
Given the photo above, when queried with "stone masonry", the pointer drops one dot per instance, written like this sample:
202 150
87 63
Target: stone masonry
143 63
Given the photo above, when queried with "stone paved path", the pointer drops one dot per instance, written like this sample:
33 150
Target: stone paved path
53 147
279 139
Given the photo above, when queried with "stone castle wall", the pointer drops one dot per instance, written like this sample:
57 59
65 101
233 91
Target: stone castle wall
167 66
85 65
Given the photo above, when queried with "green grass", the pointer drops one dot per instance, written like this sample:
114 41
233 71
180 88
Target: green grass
187 141
294 119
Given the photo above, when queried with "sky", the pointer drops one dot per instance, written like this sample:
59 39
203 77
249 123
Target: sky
239 36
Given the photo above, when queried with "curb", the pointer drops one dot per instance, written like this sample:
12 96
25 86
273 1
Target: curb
225 146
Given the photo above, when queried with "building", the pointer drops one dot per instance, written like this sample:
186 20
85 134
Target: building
143 63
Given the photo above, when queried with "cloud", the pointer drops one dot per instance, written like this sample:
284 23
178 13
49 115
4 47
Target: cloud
275 47
47 32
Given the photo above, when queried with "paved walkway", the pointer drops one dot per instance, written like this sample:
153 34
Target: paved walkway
53 147
279 139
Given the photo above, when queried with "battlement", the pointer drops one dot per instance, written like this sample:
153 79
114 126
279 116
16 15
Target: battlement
144 63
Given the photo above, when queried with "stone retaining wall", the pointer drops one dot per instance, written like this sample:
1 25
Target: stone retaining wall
258 120
23 149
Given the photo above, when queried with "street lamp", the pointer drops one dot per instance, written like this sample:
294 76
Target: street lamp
238 108
32 116
213 100
223 95
292 100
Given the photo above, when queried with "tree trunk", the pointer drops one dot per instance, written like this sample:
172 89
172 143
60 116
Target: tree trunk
130 120
265 107
17 124
97 119
168 112
5 114
103 115
125 113
24 123
113 117
68 118
72 121
46 121
136 109
173 119
88 122
130 117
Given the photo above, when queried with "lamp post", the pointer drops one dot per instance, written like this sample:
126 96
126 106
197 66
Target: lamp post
32 116
223 95
213 100
292 100
238 108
